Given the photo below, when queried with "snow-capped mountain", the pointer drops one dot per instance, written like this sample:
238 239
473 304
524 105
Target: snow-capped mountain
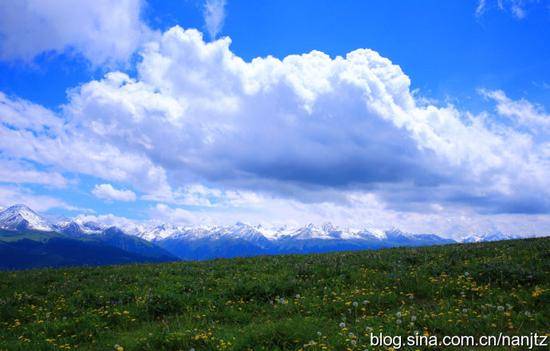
77 228
159 232
494 236
20 217
240 239
246 240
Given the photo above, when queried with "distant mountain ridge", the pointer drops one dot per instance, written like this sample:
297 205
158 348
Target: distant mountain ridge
28 240
169 242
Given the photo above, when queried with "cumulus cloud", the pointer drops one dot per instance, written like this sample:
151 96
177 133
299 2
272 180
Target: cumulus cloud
198 126
303 124
103 31
108 192
214 16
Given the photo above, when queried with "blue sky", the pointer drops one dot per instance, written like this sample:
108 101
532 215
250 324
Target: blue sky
126 112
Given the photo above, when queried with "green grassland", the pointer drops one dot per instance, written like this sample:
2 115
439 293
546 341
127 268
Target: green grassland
295 302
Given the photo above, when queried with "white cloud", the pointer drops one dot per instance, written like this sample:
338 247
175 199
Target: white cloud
108 192
200 195
518 8
281 126
10 195
103 31
214 16
518 11
33 133
12 171
307 136
21 114
276 211
522 112
481 7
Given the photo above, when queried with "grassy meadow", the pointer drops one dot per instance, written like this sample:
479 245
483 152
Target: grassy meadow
295 302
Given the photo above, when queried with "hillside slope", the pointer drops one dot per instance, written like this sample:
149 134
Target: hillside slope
296 302
34 249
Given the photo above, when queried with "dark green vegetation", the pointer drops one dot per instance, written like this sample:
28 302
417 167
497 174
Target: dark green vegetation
302 302
31 249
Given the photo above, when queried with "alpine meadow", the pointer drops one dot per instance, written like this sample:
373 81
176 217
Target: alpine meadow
301 302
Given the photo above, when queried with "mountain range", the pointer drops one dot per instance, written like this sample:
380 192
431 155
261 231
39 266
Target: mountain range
29 240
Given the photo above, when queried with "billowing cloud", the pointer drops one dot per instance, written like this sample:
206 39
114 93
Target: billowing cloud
304 124
202 131
214 16
103 31
108 192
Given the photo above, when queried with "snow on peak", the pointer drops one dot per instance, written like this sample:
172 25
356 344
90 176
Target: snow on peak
78 227
377 233
161 231
492 236
246 231
20 217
